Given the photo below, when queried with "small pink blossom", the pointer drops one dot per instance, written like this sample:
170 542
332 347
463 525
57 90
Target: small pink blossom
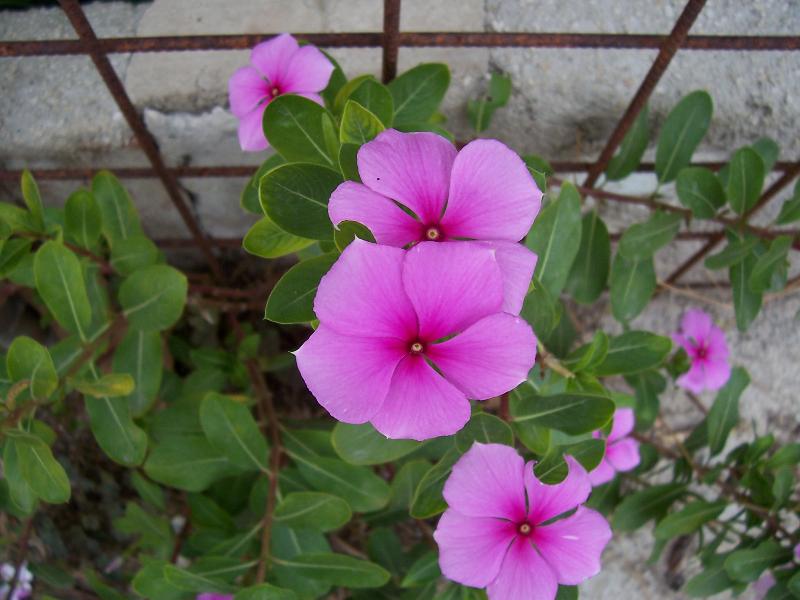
764 584
705 344
387 314
484 192
279 66
622 451
499 531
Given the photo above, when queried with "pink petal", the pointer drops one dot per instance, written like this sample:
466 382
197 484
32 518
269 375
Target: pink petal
273 57
349 376
602 473
490 358
246 89
717 347
309 70
313 97
572 546
363 293
389 224
548 501
523 575
492 194
517 264
208 596
412 168
622 425
451 285
694 379
623 454
717 372
696 325
471 549
251 132
420 404
487 481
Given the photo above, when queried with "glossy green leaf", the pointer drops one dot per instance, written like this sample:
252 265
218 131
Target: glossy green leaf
294 126
28 360
292 298
148 491
485 429
20 493
119 217
700 190
681 133
267 240
231 429
724 413
632 285
358 125
573 413
642 240
140 355
713 579
746 302
790 209
286 544
427 501
541 310
418 92
745 180
12 252
186 462
132 254
265 591
760 277
249 200
375 97
631 150
33 200
589 274
632 352
650 503
295 197
589 355
338 569
647 386
768 150
480 112
196 582
60 283
45 476
347 231
153 297
348 162
747 565
553 468
150 582
423 570
688 519
364 445
83 221
734 253
112 385
312 510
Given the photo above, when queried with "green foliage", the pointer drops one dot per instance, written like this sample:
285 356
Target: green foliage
292 298
681 133
745 180
296 128
153 298
359 125
589 274
418 92
232 431
631 150
700 190
480 112
642 240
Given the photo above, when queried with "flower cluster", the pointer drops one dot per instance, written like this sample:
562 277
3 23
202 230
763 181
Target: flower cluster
23 587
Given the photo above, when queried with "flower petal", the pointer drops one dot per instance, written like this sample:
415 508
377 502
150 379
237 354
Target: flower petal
490 358
717 347
412 168
624 420
717 372
309 70
694 379
363 294
492 194
517 264
420 404
623 454
273 57
246 89
523 575
572 546
471 549
487 481
251 132
451 285
548 501
696 325
349 376
389 224
602 473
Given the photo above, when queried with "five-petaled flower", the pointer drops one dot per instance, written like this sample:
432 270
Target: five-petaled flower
484 192
622 451
705 344
279 66
386 315
501 529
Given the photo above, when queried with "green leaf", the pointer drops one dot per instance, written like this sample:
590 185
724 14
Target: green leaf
486 429
681 133
556 238
45 476
286 544
700 190
265 591
713 579
140 355
312 510
150 582
423 570
573 413
733 254
294 126
249 199
112 385
347 231
553 468
33 200
119 217
418 92
295 197
348 162
153 297
630 152
746 302
132 254
689 519
375 97
541 310
359 125
292 298
13 251
724 413
589 274
364 445
148 491
82 219
632 285
186 462
195 582
785 456
647 386
747 565
589 355
745 180
632 352
480 112
790 209
60 283
337 569
427 501
642 240
267 240
20 493
768 150
28 360
765 266
650 503
232 431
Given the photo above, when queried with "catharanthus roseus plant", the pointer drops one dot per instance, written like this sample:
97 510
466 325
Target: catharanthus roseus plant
433 407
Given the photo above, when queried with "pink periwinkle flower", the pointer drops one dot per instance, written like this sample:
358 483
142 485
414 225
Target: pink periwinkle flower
499 531
622 451
705 344
386 315
279 66
484 192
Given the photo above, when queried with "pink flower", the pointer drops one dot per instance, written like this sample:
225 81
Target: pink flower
387 314
763 585
622 451
280 66
705 344
499 533
212 596
485 192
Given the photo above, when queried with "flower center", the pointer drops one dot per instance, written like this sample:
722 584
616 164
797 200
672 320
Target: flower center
702 351
525 529
432 234
274 92
416 348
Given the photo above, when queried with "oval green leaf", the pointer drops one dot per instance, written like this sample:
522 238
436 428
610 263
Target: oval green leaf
684 128
231 429
60 283
312 510
364 445
292 298
153 297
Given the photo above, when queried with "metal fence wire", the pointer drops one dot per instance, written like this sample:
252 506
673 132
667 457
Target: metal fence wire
390 40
